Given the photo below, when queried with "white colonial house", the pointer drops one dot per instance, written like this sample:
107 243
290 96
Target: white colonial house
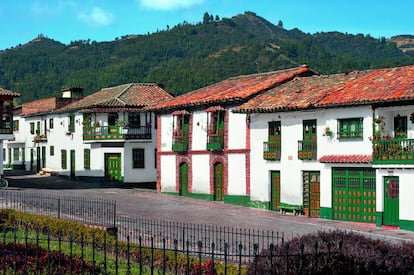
203 146
105 136
337 147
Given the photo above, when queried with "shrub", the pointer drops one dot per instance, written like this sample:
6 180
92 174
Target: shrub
336 252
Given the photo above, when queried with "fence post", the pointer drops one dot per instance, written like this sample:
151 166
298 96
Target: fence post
287 258
271 259
240 257
255 249
58 207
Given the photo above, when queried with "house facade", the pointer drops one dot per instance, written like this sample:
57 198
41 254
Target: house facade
203 146
104 136
336 147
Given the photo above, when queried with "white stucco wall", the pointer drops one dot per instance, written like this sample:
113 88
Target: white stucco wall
168 173
236 131
237 174
166 129
199 131
201 174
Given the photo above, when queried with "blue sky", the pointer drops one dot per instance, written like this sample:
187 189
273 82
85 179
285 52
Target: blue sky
104 20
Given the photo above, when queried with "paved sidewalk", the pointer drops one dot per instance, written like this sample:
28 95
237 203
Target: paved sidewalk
140 203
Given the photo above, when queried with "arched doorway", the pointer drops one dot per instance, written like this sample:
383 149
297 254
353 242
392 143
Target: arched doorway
218 182
183 180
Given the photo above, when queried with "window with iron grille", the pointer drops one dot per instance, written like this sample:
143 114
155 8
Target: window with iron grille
32 128
15 153
71 126
15 125
63 157
52 150
138 158
87 159
350 128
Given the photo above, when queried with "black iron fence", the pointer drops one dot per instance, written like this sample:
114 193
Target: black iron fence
100 212
24 252
229 240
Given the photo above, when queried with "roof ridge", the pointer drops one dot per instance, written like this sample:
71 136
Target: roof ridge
268 73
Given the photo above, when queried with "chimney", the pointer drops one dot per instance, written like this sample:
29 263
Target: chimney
73 92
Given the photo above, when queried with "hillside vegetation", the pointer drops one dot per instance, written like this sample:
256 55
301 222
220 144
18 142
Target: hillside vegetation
188 56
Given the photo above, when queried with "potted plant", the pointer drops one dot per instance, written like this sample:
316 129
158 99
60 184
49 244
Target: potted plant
328 132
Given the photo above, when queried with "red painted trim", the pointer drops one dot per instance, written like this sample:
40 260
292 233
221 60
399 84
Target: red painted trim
247 155
159 153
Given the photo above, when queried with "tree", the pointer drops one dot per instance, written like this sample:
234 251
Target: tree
206 18
280 24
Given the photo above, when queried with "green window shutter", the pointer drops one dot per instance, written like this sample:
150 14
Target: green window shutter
32 128
350 128
71 126
87 159
64 159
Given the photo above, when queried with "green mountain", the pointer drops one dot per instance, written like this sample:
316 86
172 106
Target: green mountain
188 56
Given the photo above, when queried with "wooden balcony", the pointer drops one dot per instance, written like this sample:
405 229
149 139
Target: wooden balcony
393 151
307 150
272 150
180 141
40 138
6 122
116 133
215 141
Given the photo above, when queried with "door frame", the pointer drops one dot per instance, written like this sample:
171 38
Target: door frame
391 214
107 176
218 178
183 179
274 191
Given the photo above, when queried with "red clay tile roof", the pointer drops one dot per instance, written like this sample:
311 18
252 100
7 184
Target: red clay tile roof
4 92
346 159
299 93
235 89
375 86
131 96
42 106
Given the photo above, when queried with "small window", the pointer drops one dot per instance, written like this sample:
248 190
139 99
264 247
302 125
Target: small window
32 128
15 125
15 153
52 150
138 158
350 128
63 159
71 126
87 159
134 120
51 123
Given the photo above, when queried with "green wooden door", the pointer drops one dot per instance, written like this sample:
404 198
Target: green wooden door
218 182
275 190
354 194
112 167
43 156
391 201
311 193
72 164
183 180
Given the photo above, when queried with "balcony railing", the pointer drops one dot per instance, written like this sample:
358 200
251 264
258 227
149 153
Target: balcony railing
215 141
180 140
393 151
115 133
272 149
307 150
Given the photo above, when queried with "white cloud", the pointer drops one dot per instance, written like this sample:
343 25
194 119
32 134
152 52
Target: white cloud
97 17
168 4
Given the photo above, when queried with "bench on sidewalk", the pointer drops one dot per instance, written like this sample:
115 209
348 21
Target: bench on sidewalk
289 208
